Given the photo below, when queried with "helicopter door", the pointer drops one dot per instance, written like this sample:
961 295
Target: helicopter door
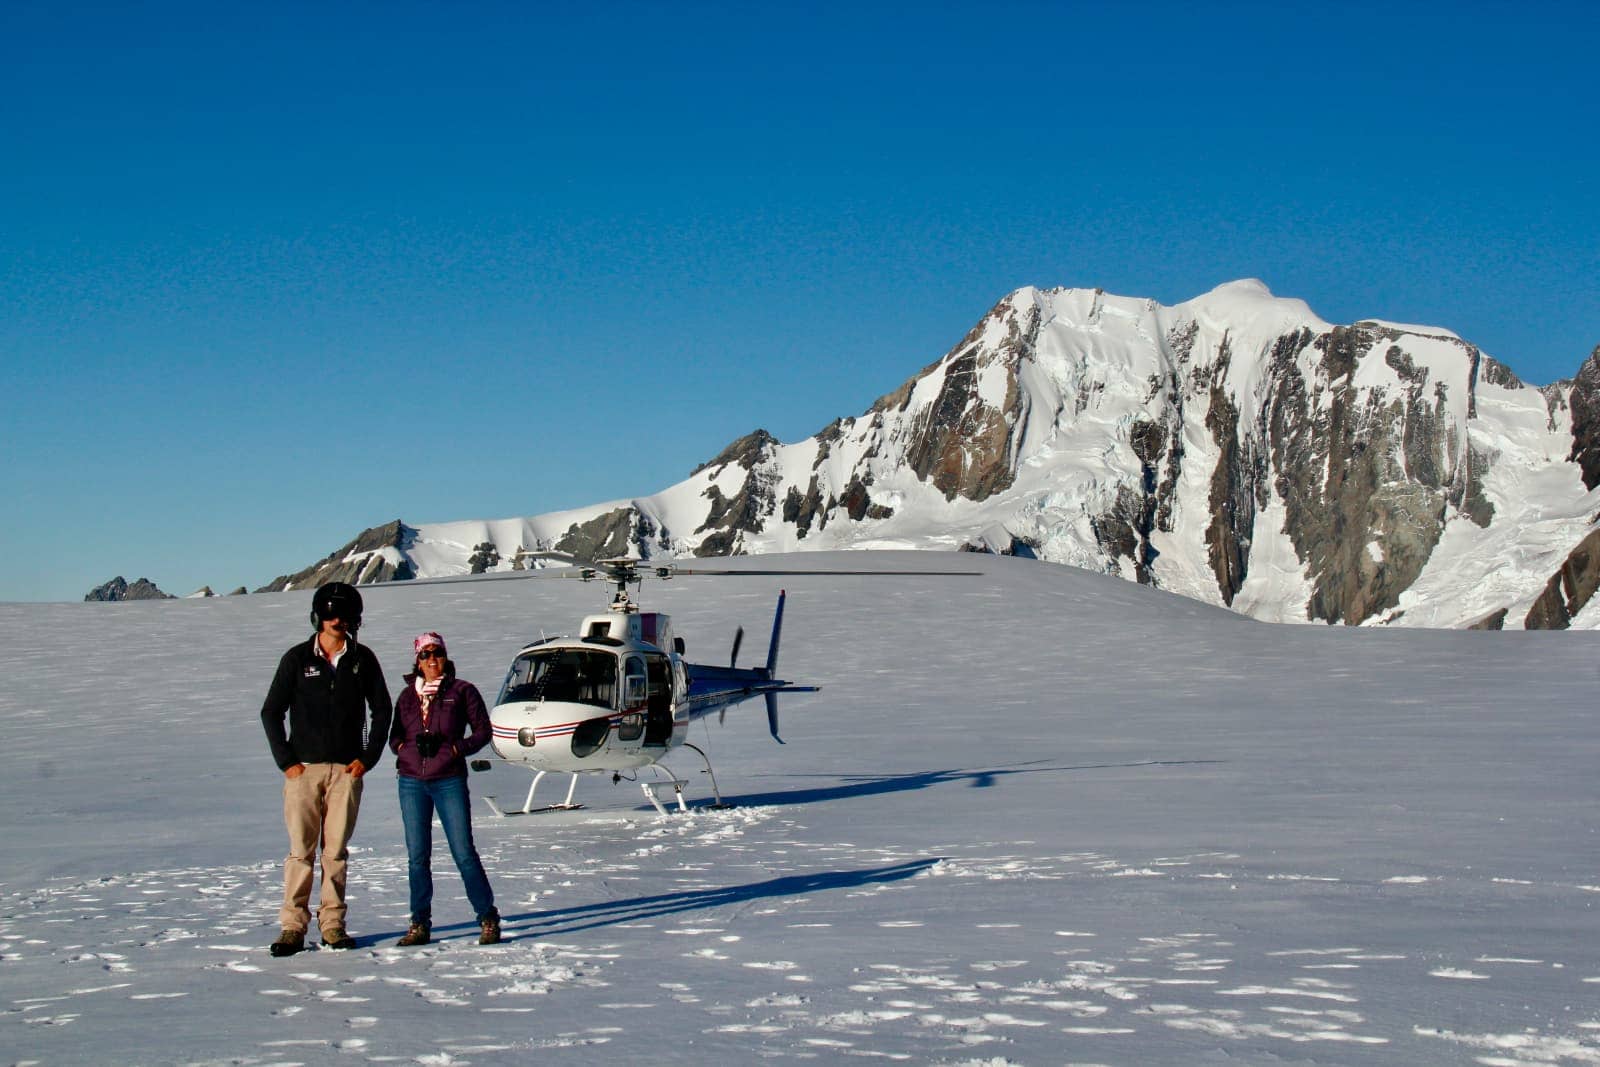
635 694
658 722
680 694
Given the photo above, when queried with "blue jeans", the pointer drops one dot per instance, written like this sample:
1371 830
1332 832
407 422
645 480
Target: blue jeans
419 799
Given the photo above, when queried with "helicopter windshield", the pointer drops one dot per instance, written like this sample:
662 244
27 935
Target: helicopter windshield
573 675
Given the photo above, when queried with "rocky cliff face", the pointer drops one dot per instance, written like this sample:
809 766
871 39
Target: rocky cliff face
1585 404
1234 448
1570 589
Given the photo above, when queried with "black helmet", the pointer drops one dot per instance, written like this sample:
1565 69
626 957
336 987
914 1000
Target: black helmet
336 600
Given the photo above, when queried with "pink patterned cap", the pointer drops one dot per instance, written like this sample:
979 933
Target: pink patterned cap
427 640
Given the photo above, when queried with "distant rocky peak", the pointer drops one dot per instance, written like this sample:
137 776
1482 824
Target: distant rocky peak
118 589
747 451
378 554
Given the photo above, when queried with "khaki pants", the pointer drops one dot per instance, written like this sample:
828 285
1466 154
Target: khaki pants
320 806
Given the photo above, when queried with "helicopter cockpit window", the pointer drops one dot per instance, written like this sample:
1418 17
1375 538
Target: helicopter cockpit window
575 676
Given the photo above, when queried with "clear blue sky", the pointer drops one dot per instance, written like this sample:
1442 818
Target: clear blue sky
271 274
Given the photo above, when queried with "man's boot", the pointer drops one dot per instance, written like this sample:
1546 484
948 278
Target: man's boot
335 937
289 942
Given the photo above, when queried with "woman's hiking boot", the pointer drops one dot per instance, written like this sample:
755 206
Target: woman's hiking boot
416 934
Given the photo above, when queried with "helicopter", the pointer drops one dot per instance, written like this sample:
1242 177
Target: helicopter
619 697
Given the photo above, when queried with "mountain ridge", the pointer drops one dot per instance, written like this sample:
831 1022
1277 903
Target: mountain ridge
1235 448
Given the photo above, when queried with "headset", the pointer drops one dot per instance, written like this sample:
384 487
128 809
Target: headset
336 600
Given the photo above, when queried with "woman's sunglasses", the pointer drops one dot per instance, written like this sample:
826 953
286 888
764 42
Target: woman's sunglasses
431 653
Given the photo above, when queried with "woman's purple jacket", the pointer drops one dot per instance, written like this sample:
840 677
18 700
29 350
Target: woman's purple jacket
455 709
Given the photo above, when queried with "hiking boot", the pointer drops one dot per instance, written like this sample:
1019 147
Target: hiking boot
335 937
289 942
491 930
416 934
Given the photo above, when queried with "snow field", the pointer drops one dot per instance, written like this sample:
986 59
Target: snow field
1035 817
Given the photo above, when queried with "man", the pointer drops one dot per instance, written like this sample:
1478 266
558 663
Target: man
332 740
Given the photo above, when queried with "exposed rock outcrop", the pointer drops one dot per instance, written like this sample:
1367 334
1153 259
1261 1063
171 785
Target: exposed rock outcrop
1363 472
1002 542
959 442
747 451
602 537
485 557
118 589
1495 620
1585 404
1569 589
1233 488
360 562
729 518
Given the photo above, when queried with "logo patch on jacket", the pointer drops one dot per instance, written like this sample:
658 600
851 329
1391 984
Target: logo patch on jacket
313 671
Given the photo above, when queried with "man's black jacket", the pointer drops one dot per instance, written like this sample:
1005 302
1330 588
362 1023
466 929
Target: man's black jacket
327 708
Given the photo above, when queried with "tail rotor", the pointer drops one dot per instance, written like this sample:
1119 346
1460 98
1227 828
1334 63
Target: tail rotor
733 663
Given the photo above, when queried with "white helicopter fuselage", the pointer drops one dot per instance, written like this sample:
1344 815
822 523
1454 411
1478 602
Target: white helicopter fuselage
608 700
619 697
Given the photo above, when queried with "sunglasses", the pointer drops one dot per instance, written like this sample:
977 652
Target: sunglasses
431 653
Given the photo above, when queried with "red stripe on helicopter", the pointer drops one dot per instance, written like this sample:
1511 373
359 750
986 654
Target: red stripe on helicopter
540 733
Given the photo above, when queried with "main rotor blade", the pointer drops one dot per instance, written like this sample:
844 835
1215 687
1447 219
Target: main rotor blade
801 574
491 576
582 570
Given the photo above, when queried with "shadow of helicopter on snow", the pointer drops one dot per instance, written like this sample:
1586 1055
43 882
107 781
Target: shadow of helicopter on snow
851 786
579 917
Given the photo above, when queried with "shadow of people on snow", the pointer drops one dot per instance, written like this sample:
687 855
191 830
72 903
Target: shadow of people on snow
579 917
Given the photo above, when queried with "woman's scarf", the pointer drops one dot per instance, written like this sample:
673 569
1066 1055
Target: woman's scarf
426 691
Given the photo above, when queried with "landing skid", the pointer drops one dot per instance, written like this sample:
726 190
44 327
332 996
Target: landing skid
527 805
530 811
652 790
665 779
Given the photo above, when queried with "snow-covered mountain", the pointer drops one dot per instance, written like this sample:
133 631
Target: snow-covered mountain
1234 448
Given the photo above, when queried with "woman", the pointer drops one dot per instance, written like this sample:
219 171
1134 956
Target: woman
431 745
